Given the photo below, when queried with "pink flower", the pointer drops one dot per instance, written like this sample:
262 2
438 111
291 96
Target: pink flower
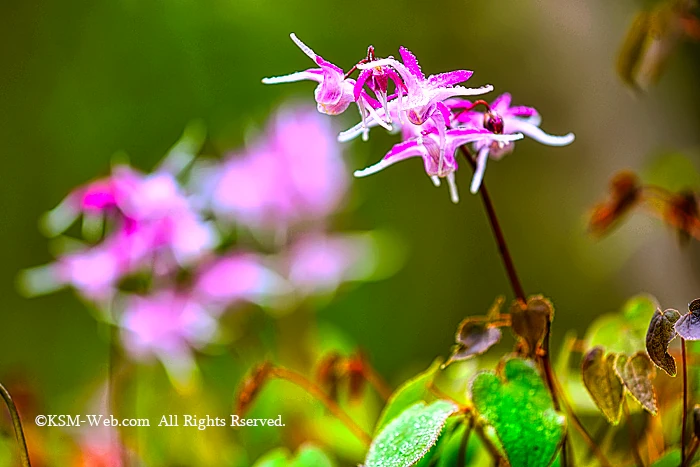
99 197
502 119
319 263
237 277
166 325
294 172
424 94
334 92
437 163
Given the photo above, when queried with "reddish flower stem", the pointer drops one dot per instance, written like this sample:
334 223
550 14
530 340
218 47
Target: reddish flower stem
16 421
498 234
318 393
519 292
377 382
685 400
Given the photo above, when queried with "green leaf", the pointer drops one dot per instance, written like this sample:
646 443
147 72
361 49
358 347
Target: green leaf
408 437
520 409
307 455
659 335
636 373
602 382
623 331
412 391
670 459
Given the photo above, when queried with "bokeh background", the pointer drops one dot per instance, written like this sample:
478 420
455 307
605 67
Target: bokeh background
83 80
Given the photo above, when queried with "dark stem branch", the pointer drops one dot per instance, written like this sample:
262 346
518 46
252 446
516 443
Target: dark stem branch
685 400
634 441
692 449
498 233
573 418
519 292
19 433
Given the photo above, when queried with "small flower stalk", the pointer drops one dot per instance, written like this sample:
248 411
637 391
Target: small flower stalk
431 113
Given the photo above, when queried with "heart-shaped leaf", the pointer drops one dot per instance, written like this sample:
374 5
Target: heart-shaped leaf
412 391
408 437
602 382
636 373
659 335
476 334
688 325
530 323
474 337
520 409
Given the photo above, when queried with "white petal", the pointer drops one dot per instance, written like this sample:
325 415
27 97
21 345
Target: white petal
372 169
454 194
304 48
537 134
294 77
481 160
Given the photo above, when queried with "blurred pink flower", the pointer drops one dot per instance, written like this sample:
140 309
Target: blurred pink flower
166 325
319 263
153 227
293 172
237 277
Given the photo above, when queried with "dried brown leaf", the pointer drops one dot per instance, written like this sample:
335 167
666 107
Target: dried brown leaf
659 335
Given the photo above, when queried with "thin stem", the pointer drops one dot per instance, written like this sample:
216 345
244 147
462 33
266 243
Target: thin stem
685 400
299 380
498 233
462 453
490 447
573 418
113 389
19 433
376 381
634 442
692 450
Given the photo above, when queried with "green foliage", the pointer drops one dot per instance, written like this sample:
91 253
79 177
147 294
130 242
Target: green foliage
670 459
307 456
409 437
604 386
623 331
520 409
412 391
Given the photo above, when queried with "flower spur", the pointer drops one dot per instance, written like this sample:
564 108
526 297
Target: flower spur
501 119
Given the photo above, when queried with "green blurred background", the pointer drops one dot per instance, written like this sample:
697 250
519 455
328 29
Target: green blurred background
83 80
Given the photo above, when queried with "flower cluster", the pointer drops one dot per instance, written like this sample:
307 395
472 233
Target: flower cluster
164 254
432 114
